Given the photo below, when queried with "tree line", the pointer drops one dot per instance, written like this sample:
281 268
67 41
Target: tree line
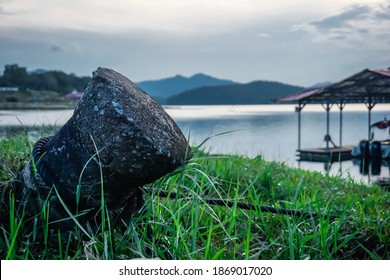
58 81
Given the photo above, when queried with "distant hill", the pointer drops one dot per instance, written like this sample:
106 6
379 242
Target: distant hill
165 88
38 71
318 85
258 92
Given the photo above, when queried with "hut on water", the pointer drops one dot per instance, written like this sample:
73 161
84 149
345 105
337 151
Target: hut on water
370 87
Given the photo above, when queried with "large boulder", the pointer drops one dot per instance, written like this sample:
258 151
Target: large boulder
117 140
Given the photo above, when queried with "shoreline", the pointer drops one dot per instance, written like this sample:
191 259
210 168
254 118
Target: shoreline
37 107
25 106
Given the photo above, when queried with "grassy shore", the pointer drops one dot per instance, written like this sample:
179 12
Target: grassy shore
188 227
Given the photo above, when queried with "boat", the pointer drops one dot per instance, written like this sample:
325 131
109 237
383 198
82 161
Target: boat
374 149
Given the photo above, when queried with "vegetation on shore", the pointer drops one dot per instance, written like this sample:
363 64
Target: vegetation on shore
189 228
54 80
39 89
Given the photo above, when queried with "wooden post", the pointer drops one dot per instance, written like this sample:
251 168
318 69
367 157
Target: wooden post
370 105
299 109
327 107
341 106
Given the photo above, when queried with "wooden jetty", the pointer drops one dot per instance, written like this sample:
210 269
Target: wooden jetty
383 182
370 87
325 154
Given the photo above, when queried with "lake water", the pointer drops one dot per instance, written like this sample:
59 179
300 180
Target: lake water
270 131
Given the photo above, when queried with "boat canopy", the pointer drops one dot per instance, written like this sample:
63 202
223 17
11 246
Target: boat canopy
381 124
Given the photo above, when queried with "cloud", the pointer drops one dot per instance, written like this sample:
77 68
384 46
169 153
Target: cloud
339 37
3 11
56 48
344 19
363 30
6 12
182 17
241 46
383 12
356 25
263 35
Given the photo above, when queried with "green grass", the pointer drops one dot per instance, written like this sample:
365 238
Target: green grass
186 227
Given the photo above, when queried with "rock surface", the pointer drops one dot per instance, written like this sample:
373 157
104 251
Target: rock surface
118 138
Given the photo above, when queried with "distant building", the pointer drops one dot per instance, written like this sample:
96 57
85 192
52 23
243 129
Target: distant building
37 96
9 89
74 95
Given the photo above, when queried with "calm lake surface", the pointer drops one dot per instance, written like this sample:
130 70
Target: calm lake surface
270 131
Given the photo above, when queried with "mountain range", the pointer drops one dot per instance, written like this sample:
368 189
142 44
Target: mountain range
258 92
201 89
198 89
168 87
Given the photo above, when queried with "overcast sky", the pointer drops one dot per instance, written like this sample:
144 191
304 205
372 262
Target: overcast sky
299 42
